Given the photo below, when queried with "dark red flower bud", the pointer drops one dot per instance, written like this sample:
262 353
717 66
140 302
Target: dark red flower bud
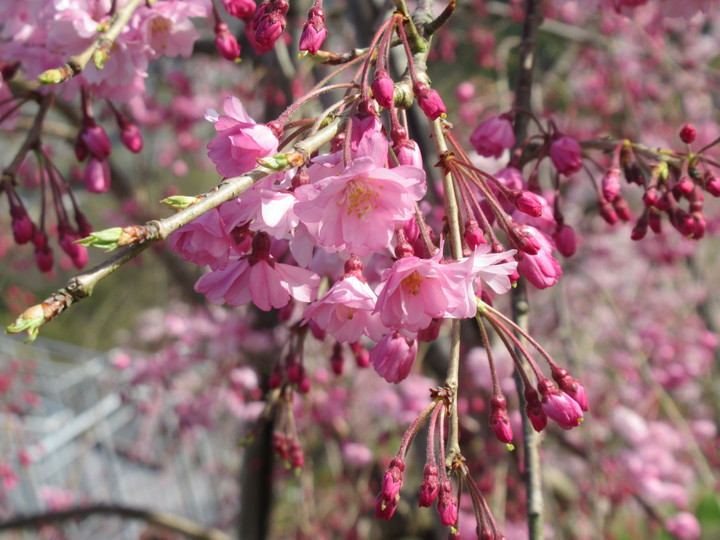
687 134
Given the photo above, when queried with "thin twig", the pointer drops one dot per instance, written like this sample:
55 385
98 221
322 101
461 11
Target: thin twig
170 522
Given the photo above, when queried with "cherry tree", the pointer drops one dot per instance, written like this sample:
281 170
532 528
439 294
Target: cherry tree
392 185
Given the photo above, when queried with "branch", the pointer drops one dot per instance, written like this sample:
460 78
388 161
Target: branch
170 522
520 306
98 50
137 239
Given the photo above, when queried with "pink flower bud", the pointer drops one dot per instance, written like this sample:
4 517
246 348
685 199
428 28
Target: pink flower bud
95 140
640 229
534 410
429 486
622 209
314 31
685 186
527 203
22 227
383 89
225 42
565 241
607 212
571 386
712 184
447 504
655 222
700 225
393 357
687 134
566 155
499 419
240 9
431 332
297 458
493 137
611 183
362 357
43 253
429 101
559 406
384 509
393 480
97 176
268 24
131 137
474 235
651 196
78 254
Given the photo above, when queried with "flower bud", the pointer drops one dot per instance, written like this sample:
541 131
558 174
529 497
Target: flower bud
499 419
571 386
565 241
534 409
131 137
566 155
97 176
225 42
712 184
314 31
611 184
95 140
429 486
22 226
527 202
687 134
559 406
383 89
240 9
492 137
447 504
429 101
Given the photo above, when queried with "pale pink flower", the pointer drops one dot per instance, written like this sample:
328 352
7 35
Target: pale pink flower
684 526
166 28
414 291
393 357
205 241
359 209
346 311
240 141
493 137
259 278
97 175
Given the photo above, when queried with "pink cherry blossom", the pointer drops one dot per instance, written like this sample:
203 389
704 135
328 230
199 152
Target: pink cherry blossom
684 526
359 209
240 141
414 291
346 311
205 241
259 278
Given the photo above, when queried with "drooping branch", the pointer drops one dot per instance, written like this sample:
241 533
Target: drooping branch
137 239
170 522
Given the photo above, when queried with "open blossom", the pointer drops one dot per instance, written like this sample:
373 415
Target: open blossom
259 278
415 291
205 241
359 209
346 311
240 141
